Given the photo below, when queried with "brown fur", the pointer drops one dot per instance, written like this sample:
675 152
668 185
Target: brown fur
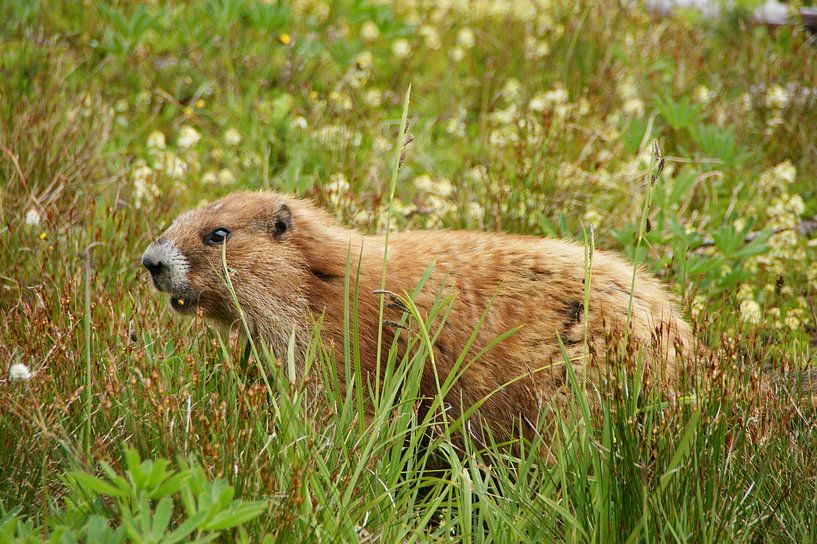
283 283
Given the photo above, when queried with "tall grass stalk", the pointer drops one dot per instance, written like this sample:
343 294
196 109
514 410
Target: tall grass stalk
655 172
400 143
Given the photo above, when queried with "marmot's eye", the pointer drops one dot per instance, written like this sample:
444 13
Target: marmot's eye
217 237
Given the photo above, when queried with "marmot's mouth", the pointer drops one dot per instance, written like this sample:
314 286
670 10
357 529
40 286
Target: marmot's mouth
183 304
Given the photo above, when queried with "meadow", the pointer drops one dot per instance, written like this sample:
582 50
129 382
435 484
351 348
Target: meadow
688 144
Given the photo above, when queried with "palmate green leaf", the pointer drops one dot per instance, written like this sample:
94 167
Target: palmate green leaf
134 467
100 532
171 486
237 514
114 478
96 485
188 526
161 517
157 474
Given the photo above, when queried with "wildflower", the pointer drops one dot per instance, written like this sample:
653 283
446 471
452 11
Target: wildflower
633 106
369 31
298 122
745 292
232 136
225 176
745 102
373 98
465 38
504 116
703 94
592 217
32 218
537 103
18 372
792 322
401 48
208 178
457 54
381 144
511 91
698 305
143 99
43 235
476 212
284 38
188 137
750 311
776 97
536 49
156 140
785 171
200 103
144 188
173 166
424 183
431 37
363 61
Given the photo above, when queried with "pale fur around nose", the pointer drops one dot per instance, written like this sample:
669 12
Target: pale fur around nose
173 279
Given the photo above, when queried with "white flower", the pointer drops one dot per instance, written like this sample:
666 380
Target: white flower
188 137
698 305
32 217
401 48
457 54
786 171
633 106
18 372
424 183
776 97
703 94
369 31
173 166
298 122
232 136
373 98
208 178
537 103
465 38
156 140
750 311
431 36
225 176
338 184
511 90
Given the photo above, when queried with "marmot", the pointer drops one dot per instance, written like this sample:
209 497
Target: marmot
287 262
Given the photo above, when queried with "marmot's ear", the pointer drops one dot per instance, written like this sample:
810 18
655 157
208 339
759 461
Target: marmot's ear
281 221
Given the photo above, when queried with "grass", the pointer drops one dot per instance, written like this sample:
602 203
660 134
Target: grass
114 117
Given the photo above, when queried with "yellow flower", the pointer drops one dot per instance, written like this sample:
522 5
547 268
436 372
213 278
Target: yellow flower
43 236
284 38
200 103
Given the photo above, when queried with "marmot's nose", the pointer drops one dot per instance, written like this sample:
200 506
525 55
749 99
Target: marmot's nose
155 266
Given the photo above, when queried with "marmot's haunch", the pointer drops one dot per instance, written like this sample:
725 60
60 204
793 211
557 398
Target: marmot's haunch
287 262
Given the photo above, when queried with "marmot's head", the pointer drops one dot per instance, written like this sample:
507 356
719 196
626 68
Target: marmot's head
266 268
